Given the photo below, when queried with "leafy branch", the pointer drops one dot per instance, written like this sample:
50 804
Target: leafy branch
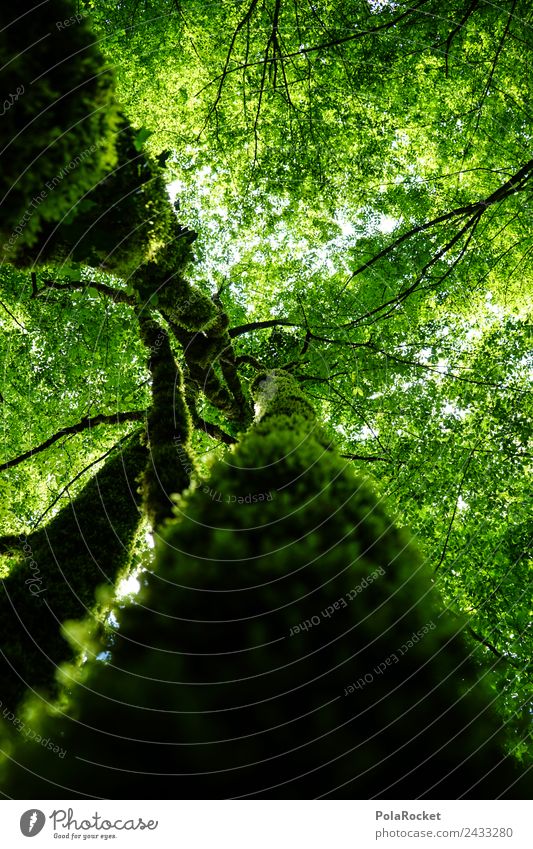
242 23
473 211
368 458
491 647
116 295
85 424
302 51
428 367
78 476
260 325
470 11
454 511
493 67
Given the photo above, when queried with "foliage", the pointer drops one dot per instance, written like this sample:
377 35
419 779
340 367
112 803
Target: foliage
121 221
53 577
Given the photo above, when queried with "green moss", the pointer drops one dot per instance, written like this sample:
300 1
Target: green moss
160 283
189 308
59 130
289 643
122 221
200 326
59 568
170 464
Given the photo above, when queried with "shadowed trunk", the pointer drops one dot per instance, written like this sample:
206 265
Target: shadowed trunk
288 644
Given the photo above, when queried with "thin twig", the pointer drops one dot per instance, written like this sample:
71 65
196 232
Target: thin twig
84 424
260 325
76 477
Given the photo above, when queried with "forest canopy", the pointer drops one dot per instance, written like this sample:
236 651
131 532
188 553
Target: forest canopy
199 194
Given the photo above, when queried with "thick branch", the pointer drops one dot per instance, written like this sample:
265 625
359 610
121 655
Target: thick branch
260 325
84 424
116 295
500 655
508 188
474 210
201 351
171 463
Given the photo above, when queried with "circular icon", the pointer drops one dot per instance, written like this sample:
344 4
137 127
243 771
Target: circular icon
32 822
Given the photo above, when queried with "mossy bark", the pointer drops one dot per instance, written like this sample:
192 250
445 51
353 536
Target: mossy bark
199 324
121 221
170 464
289 643
58 133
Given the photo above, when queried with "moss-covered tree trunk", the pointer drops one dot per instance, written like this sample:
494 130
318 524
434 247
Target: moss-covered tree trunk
58 134
288 643
57 570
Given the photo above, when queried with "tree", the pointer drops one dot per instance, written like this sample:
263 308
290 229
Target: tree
61 565
292 561
51 131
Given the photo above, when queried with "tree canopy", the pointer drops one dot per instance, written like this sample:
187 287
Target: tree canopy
196 194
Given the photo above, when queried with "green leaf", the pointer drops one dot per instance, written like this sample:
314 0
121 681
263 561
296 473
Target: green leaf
142 135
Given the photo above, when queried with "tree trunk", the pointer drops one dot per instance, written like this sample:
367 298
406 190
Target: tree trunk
289 643
58 570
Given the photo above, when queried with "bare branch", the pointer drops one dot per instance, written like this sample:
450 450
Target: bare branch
116 295
260 325
76 477
84 424
471 9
